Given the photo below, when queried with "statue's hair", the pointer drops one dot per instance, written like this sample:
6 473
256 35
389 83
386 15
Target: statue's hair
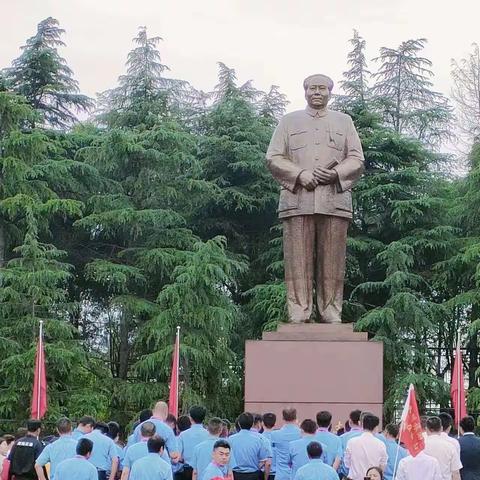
325 78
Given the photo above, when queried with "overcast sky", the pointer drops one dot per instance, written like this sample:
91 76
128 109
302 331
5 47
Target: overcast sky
270 41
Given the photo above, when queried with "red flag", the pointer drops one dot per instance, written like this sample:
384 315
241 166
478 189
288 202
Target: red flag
173 398
411 428
39 395
457 388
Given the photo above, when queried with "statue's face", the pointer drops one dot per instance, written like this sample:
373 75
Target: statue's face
317 93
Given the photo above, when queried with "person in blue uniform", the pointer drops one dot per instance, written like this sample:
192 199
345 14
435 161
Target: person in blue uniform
61 449
78 467
202 455
104 454
190 438
251 451
394 451
153 466
139 450
85 425
281 443
298 448
160 413
269 420
315 469
332 443
218 467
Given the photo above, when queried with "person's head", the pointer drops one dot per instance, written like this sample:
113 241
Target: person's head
156 444
160 410
314 450
318 91
269 420
6 444
225 428
308 427
197 413
64 426
423 422
84 447
171 421
145 415
354 418
34 427
374 473
183 423
434 425
446 420
370 422
102 426
289 415
21 432
245 421
215 426
324 419
147 429
391 431
113 430
221 452
467 424
86 424
257 421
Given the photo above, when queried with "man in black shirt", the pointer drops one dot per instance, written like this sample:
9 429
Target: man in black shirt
24 453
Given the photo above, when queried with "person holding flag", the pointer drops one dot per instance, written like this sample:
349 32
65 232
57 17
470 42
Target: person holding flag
417 465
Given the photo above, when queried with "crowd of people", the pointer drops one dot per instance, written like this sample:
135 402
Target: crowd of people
257 447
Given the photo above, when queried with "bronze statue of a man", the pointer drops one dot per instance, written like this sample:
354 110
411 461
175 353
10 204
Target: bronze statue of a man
316 156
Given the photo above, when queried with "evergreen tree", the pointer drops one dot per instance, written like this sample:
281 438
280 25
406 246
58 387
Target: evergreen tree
43 77
403 90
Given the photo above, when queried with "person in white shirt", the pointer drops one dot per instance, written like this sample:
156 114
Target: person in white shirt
443 450
421 467
366 450
447 422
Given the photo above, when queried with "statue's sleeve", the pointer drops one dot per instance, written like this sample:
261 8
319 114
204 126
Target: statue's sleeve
282 168
351 168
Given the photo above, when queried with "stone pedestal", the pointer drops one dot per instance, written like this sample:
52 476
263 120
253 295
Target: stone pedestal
314 367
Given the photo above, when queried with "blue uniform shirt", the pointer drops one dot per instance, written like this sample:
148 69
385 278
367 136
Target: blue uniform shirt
281 446
151 467
57 451
104 450
268 436
316 470
202 456
214 470
78 468
189 439
137 451
249 450
162 430
298 453
392 447
77 434
332 443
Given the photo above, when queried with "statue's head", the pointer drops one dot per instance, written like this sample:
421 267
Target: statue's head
318 90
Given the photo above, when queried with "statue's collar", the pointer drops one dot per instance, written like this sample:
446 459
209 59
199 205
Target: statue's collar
316 113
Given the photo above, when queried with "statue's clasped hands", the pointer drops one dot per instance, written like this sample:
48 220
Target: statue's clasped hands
320 176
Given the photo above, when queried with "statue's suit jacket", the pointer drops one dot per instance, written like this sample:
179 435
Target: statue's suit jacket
304 140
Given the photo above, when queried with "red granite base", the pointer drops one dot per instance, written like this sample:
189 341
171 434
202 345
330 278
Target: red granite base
314 367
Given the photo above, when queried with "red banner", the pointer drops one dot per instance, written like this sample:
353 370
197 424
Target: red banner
411 433
173 397
457 388
39 394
